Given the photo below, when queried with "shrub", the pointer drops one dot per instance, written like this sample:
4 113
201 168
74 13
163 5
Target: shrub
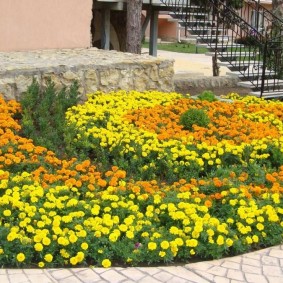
207 95
43 114
194 117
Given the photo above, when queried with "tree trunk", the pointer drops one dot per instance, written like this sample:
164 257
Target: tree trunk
134 26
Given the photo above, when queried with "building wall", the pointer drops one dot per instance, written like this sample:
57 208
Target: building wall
42 24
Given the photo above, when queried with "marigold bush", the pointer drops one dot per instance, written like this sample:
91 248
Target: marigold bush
151 191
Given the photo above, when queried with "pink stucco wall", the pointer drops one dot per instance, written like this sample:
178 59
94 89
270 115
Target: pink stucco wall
43 24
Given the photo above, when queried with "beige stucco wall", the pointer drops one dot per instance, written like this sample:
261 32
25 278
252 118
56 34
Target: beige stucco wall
41 24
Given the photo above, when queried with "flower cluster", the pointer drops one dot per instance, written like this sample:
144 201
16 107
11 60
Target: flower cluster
142 133
56 212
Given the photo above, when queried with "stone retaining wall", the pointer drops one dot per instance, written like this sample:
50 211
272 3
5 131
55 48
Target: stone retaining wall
95 69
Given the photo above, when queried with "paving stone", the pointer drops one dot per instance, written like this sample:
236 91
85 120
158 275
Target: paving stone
87 275
176 279
237 259
133 273
235 274
252 262
231 265
99 270
275 279
149 279
18 278
149 270
42 278
3 271
218 270
184 273
71 279
251 269
218 279
113 276
252 256
268 260
15 271
276 253
61 274
272 271
33 271
163 276
4 279
255 278
204 274
199 265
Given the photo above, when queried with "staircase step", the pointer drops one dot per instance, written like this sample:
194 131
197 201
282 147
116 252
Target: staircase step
220 46
240 64
272 94
269 83
244 75
177 14
232 54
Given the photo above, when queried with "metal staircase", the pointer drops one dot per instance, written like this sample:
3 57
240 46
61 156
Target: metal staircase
243 36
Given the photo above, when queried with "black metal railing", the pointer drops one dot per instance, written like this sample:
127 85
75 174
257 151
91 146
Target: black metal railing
244 35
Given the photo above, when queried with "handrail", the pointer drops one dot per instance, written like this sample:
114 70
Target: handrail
252 37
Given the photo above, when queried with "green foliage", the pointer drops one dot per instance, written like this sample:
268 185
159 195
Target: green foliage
194 117
43 115
207 95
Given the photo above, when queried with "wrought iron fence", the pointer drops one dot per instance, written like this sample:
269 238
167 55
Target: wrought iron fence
243 34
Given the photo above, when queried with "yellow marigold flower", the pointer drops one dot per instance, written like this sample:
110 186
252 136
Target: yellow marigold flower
249 240
21 257
145 234
229 242
255 238
174 230
7 212
259 226
210 232
73 260
84 246
80 256
165 245
46 241
152 246
191 243
38 247
106 263
123 227
48 257
233 202
130 234
179 242
41 264
73 238
220 240
162 254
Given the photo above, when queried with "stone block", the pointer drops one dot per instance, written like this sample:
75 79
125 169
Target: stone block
109 77
8 88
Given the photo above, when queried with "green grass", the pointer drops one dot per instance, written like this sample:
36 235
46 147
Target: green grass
178 47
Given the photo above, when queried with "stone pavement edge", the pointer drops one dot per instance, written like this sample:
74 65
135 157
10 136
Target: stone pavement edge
263 266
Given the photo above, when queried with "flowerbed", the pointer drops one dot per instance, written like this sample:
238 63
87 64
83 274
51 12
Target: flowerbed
152 191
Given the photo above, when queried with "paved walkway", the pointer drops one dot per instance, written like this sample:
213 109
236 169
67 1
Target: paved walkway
264 266
191 64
